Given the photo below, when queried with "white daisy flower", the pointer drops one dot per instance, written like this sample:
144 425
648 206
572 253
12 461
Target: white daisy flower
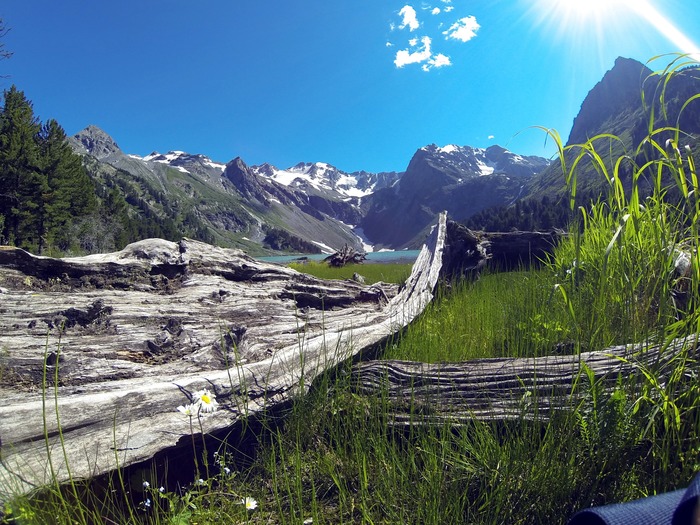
206 401
188 410
250 503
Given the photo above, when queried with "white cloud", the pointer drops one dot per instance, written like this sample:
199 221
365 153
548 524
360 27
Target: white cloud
435 11
446 1
404 56
491 137
413 42
449 8
423 55
410 19
438 60
389 44
464 29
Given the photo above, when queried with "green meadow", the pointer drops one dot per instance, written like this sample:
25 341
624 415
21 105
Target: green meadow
370 272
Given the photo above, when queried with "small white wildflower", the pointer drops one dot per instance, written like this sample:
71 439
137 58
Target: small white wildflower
188 410
162 489
146 484
308 521
227 470
200 481
206 401
250 503
147 503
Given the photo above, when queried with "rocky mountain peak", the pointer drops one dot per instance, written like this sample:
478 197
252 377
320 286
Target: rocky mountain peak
93 141
620 88
266 169
433 166
248 184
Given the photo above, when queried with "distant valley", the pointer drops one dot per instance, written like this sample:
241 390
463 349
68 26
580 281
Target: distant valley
314 207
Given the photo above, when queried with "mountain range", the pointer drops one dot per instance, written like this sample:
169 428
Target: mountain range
313 207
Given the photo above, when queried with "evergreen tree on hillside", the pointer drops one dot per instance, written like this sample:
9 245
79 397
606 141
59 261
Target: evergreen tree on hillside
70 191
21 181
43 184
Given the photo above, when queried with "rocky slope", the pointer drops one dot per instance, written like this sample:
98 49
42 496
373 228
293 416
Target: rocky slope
310 206
627 102
238 207
460 179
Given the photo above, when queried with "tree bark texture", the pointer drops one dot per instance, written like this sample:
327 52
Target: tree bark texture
512 388
99 351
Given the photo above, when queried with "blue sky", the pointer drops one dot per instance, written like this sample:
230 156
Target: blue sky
360 84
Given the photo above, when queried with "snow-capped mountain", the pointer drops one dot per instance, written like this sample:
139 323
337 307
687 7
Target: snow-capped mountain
184 162
323 177
460 179
262 207
313 204
453 164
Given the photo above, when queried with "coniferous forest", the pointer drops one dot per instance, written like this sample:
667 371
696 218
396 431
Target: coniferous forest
55 202
44 187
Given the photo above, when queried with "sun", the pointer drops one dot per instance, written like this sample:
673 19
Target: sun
583 10
581 18
600 22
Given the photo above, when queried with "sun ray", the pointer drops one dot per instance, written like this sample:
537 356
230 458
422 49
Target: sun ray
664 26
598 22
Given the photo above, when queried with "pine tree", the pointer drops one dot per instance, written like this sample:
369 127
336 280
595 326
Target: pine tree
70 191
21 181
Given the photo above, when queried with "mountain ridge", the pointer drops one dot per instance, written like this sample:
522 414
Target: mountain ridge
312 202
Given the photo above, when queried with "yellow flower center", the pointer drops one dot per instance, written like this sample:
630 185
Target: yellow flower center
206 399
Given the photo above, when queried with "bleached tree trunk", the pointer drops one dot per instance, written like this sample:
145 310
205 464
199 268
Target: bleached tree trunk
132 335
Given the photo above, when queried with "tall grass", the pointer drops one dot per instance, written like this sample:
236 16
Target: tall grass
513 314
335 457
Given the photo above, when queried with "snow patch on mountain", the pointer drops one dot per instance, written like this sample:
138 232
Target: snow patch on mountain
450 148
366 245
216 165
179 159
485 167
318 175
324 247
358 232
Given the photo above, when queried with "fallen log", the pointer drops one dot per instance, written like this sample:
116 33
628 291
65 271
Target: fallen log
511 388
346 255
467 251
97 352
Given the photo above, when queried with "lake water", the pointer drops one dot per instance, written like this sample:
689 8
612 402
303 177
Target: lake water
403 256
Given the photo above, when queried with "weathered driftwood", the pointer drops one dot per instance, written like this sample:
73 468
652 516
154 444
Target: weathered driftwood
346 255
132 334
510 388
467 252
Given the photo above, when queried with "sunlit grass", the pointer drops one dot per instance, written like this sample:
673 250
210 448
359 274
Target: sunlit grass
371 273
513 314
